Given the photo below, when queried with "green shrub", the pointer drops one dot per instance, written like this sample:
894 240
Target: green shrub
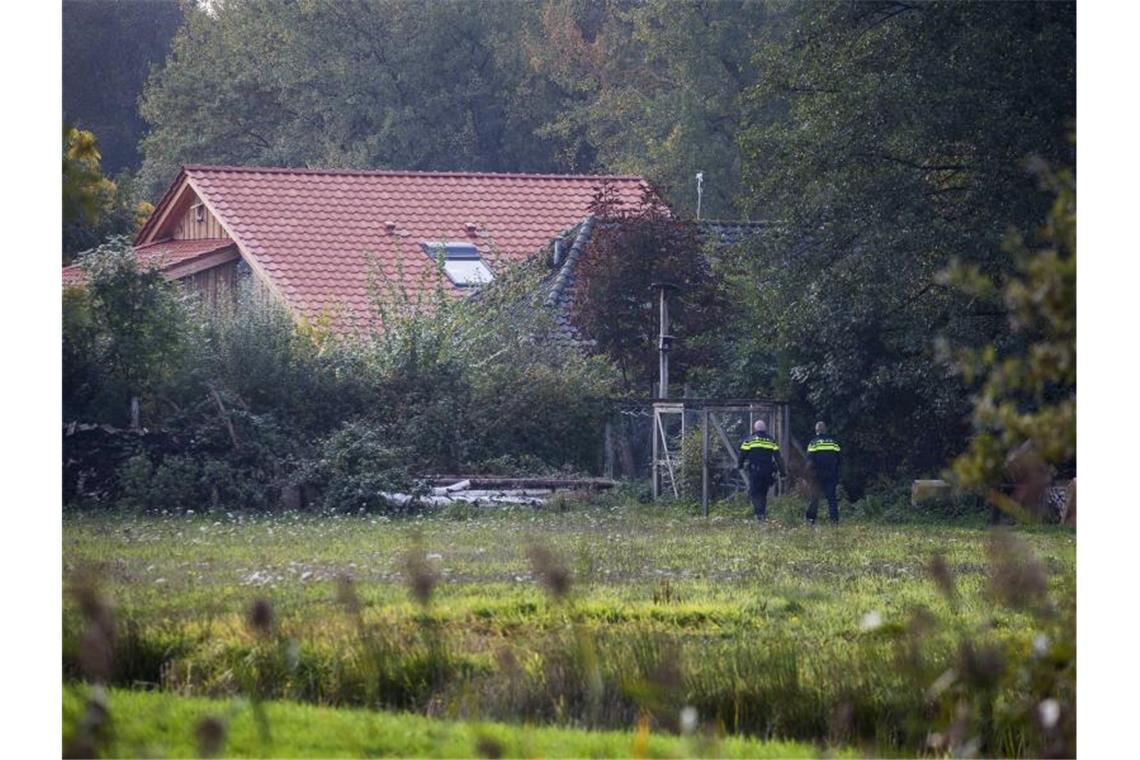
134 480
358 463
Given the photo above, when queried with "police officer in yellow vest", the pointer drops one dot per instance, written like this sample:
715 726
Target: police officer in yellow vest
824 459
761 454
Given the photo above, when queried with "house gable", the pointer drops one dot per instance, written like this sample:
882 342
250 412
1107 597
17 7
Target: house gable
182 215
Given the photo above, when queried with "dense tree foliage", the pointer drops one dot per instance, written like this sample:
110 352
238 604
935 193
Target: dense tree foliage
94 207
385 84
1028 396
899 141
648 88
654 88
617 306
109 47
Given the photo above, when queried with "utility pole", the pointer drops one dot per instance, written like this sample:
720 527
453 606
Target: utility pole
700 192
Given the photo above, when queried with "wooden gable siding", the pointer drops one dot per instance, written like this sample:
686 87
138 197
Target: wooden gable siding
197 223
224 282
214 285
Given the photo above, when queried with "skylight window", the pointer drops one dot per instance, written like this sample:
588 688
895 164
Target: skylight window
461 263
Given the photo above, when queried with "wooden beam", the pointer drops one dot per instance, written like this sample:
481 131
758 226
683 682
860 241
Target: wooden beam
669 461
162 214
202 263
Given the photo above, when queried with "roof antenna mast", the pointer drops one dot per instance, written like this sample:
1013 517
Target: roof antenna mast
700 191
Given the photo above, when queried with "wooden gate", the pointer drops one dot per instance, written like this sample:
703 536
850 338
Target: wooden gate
723 425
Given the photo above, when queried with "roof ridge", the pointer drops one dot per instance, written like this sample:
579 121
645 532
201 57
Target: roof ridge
403 172
565 275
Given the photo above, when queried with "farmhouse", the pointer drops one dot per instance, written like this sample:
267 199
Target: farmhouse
321 241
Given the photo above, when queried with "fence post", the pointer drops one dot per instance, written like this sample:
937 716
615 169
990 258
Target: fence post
608 453
705 460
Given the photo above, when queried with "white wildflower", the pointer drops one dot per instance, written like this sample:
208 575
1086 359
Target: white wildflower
871 621
688 719
1049 711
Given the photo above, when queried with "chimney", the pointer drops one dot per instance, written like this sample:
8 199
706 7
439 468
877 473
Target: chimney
390 227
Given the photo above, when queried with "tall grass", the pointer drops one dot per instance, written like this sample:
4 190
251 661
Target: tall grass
926 681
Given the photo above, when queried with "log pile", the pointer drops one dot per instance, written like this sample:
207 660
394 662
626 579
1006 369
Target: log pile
483 490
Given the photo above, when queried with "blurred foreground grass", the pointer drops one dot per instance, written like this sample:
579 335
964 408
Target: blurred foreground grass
828 634
149 724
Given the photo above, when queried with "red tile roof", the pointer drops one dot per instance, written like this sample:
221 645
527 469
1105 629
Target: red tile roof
163 255
312 231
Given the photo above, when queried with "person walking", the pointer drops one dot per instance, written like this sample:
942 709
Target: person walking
824 459
761 455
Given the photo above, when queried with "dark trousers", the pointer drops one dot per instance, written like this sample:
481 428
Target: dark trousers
758 495
828 489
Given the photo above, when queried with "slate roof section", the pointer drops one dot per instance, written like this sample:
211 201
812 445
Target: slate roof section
163 255
728 232
323 236
559 289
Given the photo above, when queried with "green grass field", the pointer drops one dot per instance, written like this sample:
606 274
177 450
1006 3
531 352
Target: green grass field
831 636
150 724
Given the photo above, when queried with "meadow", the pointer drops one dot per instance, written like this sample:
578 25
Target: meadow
706 636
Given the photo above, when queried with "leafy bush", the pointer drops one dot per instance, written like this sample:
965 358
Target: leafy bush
890 502
356 464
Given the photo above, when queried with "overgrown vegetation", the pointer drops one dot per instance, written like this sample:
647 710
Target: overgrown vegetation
240 408
906 639
1027 399
879 147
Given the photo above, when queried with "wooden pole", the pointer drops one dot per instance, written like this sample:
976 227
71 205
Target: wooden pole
705 461
608 451
656 455
663 330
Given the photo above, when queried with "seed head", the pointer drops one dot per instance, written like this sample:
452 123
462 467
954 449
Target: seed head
346 594
1017 576
96 643
211 733
553 574
981 667
261 617
489 746
421 577
943 577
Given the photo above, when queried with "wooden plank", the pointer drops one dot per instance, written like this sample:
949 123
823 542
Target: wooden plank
669 462
491 482
733 451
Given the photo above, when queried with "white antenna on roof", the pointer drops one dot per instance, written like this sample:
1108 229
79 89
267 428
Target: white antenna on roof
700 190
